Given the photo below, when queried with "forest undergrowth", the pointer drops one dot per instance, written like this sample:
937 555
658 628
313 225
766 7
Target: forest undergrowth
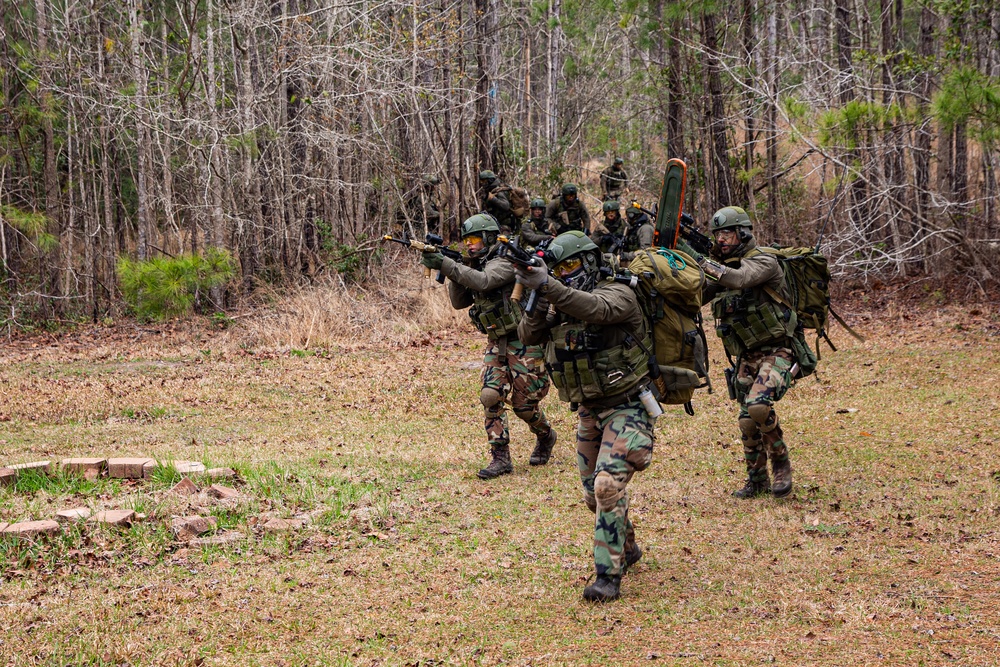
360 410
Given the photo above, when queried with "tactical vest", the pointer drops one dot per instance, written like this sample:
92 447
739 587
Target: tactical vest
583 369
748 319
575 216
495 314
632 239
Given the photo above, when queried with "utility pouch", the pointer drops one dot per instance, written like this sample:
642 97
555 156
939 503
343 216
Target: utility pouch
730 374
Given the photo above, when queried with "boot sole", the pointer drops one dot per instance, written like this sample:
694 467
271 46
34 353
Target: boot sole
481 475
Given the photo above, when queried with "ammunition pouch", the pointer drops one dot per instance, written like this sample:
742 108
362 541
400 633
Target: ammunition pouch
495 314
581 370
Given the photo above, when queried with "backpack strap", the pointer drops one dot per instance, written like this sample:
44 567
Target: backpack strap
845 325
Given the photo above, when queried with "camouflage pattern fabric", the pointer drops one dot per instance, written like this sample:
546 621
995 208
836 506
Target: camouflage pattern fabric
617 442
520 380
762 378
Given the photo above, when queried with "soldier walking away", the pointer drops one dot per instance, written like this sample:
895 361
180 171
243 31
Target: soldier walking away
512 371
595 351
757 332
534 230
614 181
494 198
566 212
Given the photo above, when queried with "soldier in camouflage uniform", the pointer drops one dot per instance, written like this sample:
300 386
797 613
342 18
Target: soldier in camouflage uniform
594 354
512 370
495 200
608 234
756 329
614 181
567 212
640 233
534 230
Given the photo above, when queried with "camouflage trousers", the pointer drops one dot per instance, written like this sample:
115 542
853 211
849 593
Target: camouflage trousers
518 378
762 378
611 445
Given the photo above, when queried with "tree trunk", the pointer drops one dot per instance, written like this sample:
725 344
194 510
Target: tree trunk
717 115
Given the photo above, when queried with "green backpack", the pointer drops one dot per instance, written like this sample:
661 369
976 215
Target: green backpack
807 276
669 284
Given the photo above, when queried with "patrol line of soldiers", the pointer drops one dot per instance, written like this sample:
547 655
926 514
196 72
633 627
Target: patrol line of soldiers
563 213
589 338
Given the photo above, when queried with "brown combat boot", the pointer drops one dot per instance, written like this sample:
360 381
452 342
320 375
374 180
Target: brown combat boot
632 553
500 465
543 448
754 487
782 478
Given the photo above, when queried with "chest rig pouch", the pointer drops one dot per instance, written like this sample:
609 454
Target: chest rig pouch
495 313
747 319
583 367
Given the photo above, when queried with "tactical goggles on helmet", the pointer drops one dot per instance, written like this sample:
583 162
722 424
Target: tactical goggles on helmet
472 239
567 267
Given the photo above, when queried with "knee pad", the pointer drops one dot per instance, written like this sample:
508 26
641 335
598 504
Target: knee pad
526 415
749 429
489 397
759 412
607 490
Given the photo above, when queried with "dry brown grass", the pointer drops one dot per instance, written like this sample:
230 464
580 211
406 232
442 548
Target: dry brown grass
887 553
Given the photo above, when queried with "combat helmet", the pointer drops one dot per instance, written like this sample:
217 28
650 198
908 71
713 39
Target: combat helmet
611 205
487 175
537 202
732 217
619 162
569 189
574 260
484 225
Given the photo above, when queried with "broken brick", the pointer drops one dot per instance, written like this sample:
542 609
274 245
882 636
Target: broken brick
38 466
7 476
220 473
148 467
188 467
189 527
221 492
83 466
185 487
113 518
31 528
127 468
75 514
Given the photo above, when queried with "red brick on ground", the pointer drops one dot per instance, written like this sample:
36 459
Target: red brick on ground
31 528
127 468
38 466
220 473
81 466
75 514
114 518
188 467
8 476
221 492
185 487
189 527
148 468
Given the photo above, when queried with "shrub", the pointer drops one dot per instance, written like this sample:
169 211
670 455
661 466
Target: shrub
168 286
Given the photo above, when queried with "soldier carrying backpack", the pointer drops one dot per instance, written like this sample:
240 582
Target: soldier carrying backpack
763 340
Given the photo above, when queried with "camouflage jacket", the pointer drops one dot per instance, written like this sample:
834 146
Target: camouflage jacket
613 182
499 207
562 218
612 316
533 232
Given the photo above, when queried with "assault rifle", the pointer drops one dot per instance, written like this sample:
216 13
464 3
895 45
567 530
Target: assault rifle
698 241
434 243
520 257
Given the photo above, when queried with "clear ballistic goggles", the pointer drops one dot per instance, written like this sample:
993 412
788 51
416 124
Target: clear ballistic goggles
567 267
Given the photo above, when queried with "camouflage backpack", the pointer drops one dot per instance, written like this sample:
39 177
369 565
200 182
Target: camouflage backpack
669 286
807 276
